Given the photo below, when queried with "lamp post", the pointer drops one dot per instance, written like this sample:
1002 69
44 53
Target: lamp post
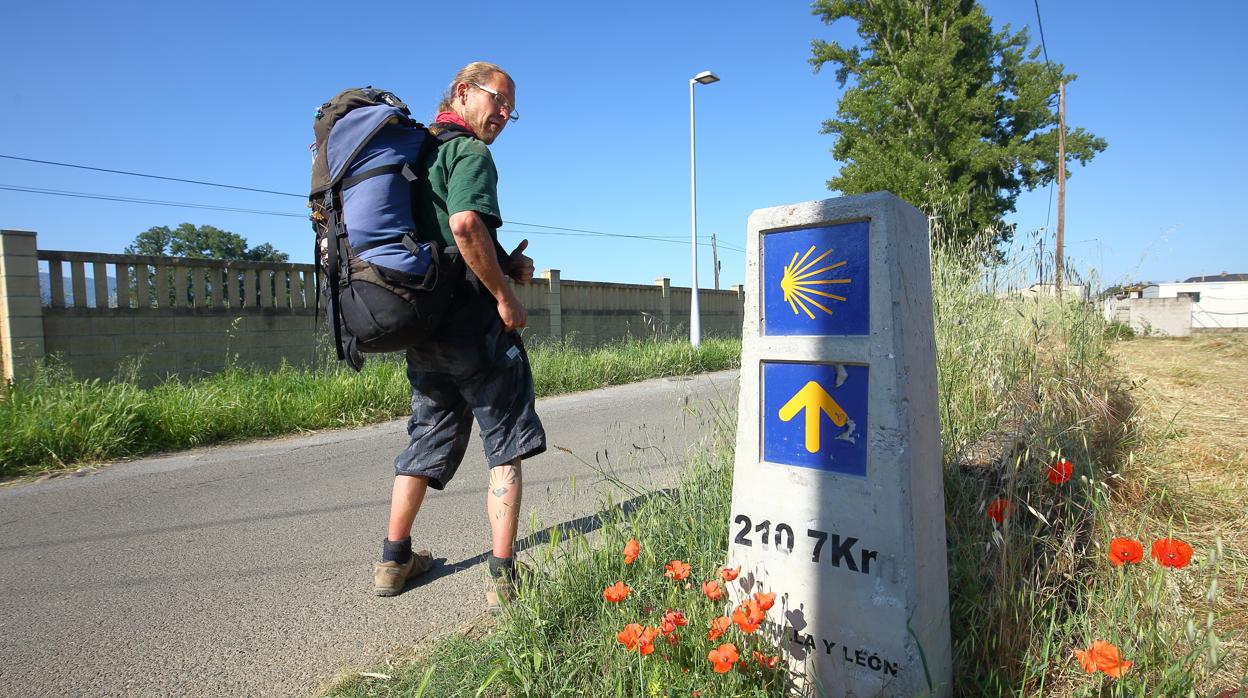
705 77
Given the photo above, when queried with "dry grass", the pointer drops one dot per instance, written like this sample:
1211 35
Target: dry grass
1190 475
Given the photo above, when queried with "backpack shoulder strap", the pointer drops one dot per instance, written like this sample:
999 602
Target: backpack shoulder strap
445 131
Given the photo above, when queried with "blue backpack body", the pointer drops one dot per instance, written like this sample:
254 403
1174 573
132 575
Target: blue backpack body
386 289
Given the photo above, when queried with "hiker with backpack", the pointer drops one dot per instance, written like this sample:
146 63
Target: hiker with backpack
407 221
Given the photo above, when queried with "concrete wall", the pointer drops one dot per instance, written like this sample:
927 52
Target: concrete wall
1171 317
155 343
1216 305
196 316
593 313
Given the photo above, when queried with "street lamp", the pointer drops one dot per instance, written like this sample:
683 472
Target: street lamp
705 77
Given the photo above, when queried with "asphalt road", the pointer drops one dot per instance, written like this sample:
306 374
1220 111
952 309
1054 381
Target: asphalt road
245 570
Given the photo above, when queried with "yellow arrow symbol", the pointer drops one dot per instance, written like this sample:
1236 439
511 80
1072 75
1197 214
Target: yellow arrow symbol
813 398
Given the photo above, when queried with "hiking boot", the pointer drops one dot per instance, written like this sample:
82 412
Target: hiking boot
389 578
505 587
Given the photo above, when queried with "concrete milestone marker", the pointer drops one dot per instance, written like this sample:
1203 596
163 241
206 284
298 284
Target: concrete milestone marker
837 500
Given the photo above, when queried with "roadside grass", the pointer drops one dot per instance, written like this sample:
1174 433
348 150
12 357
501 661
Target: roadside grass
55 421
565 367
1024 382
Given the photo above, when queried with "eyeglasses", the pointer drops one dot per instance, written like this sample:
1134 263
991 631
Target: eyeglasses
500 101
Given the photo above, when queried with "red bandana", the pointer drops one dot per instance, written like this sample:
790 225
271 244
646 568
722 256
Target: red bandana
450 117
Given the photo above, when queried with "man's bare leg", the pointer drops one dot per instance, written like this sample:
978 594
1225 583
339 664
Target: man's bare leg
405 500
399 562
502 505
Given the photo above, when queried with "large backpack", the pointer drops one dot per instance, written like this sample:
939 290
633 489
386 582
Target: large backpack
386 287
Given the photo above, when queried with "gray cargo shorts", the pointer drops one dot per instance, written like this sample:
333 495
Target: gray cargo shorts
456 379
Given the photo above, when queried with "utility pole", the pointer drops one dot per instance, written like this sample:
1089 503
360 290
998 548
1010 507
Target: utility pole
1061 183
715 260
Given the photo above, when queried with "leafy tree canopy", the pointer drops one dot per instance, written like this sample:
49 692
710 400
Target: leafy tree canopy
944 112
201 242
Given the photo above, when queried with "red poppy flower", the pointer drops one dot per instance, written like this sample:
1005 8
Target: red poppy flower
998 510
1172 552
635 637
676 570
671 621
631 550
647 640
764 660
1087 660
712 590
723 657
630 636
730 574
748 616
1060 471
1124 550
1102 656
765 600
719 626
672 639
616 592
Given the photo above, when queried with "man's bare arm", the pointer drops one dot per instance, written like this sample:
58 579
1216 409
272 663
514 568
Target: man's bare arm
477 248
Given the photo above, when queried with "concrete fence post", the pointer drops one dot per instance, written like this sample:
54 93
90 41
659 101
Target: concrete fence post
554 303
665 302
21 309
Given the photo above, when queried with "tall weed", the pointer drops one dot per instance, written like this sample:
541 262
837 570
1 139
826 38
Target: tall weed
1025 380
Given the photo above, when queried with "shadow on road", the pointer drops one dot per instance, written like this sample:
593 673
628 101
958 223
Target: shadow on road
582 525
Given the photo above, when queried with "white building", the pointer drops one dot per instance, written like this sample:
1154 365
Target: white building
1218 302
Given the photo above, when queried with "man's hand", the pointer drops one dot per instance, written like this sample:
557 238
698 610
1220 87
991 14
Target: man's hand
511 311
520 266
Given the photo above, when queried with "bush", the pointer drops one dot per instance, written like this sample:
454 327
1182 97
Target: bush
1118 330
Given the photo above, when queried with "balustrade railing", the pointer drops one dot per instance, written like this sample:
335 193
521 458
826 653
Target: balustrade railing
143 282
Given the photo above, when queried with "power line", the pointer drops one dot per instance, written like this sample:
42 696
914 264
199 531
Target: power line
1041 26
151 176
659 238
598 232
153 202
635 237
1048 213
179 204
184 204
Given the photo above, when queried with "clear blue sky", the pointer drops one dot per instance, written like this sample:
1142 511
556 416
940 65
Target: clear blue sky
225 92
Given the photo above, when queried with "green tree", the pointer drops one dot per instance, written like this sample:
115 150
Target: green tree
201 242
944 112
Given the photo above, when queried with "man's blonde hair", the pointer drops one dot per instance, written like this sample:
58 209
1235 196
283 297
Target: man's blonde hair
478 72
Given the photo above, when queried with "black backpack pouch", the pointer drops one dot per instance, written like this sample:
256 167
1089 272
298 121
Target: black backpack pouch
386 310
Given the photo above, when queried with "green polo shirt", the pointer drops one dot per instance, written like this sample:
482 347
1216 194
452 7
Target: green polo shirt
461 177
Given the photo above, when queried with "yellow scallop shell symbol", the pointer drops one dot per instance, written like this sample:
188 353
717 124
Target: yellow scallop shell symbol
798 282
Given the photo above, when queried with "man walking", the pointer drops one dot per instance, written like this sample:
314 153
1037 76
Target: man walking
476 365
